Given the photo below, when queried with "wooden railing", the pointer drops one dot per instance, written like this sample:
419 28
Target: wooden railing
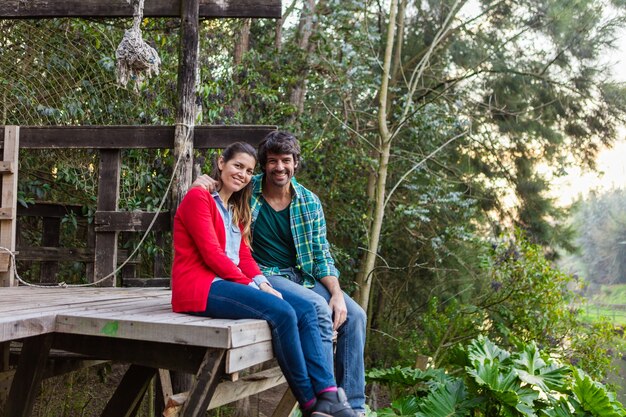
101 254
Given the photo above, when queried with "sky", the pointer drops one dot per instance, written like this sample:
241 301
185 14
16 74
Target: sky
611 163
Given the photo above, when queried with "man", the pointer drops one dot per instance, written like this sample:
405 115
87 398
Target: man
289 243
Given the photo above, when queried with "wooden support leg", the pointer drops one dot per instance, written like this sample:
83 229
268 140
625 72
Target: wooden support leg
28 376
211 371
128 394
287 405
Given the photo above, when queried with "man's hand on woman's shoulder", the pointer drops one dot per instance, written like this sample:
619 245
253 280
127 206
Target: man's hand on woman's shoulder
205 182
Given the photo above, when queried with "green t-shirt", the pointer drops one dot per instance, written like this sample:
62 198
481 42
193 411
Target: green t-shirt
272 241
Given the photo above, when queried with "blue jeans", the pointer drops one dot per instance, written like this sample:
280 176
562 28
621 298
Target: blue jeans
349 359
296 337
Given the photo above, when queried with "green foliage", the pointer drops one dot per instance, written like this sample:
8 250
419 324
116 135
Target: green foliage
492 382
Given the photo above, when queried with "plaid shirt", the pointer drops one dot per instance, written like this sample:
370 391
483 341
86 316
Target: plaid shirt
308 227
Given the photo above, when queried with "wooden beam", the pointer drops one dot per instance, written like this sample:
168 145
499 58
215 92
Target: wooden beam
128 395
133 137
8 200
120 8
182 358
131 221
203 387
108 198
287 405
41 209
27 380
53 253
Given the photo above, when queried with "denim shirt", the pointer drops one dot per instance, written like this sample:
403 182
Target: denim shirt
233 237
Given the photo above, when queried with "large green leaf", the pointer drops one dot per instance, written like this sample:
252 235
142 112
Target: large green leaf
447 401
561 408
534 370
594 397
403 407
482 350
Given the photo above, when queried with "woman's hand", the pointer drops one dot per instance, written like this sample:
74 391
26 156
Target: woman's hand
265 287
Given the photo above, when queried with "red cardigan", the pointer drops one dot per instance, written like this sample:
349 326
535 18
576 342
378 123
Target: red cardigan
199 253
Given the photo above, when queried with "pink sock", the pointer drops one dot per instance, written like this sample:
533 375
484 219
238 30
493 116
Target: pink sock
329 389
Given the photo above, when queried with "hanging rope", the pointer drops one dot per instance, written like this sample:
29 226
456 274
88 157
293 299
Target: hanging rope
135 58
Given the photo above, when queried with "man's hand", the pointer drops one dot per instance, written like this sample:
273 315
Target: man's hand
336 303
265 287
205 182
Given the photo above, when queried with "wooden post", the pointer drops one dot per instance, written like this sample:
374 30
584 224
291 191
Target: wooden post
28 376
185 120
127 397
51 237
8 206
186 111
108 198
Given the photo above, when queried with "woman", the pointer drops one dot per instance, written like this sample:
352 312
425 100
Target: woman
214 275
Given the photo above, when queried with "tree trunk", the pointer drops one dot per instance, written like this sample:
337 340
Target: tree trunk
366 272
307 26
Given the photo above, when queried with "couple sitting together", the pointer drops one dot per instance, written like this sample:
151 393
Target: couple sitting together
255 247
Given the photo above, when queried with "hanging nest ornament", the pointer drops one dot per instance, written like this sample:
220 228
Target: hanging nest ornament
135 58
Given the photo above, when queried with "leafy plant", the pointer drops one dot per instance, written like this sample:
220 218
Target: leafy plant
492 382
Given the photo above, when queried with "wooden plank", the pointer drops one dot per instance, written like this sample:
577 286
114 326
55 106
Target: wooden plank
6 213
195 334
64 254
134 137
5 261
287 404
26 326
47 209
238 359
7 167
108 198
120 8
231 391
150 354
50 237
203 387
143 282
27 380
131 221
8 201
128 395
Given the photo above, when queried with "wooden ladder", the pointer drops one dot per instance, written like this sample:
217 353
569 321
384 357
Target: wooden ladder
8 205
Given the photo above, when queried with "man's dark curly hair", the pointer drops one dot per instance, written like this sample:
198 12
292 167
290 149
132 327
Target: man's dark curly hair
280 143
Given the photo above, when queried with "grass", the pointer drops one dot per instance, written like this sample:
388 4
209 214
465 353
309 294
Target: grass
603 302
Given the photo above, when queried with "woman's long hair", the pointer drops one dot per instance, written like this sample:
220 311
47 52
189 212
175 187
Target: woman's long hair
240 200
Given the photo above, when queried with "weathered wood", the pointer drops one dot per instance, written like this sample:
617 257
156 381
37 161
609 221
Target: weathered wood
146 282
7 167
8 201
131 221
150 354
129 393
287 404
108 197
50 237
133 137
244 357
186 107
28 376
49 254
207 378
120 8
41 209
231 391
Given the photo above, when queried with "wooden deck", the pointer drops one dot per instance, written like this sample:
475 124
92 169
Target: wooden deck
134 325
